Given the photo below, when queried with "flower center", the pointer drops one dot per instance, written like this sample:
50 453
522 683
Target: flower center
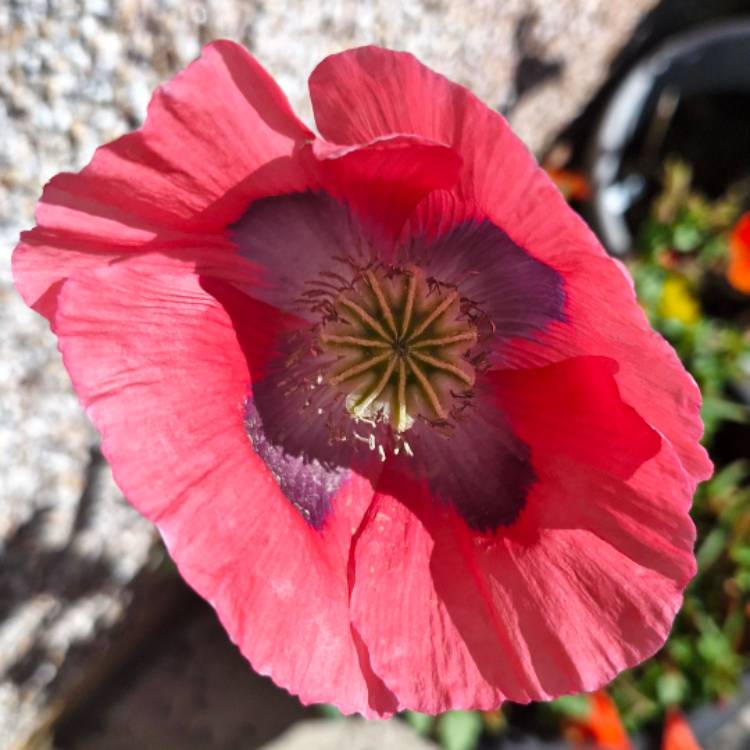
401 345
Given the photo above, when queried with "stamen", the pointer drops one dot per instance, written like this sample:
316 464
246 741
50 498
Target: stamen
402 418
362 406
365 316
445 340
329 338
409 306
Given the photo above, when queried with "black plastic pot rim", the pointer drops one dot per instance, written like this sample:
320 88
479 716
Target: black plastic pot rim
623 114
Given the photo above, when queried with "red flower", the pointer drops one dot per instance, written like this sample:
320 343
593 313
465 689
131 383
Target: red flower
603 725
677 733
396 414
738 271
573 185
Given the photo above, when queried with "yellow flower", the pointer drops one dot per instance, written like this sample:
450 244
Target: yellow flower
678 301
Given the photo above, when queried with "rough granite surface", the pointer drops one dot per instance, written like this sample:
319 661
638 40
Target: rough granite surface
191 690
735 735
77 73
352 734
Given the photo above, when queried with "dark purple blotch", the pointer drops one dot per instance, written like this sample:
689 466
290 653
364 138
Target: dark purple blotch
306 482
297 241
519 294
476 464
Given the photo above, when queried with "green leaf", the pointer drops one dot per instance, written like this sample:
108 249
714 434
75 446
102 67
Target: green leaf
741 555
681 650
459 730
734 625
671 688
743 580
730 476
421 723
572 706
722 408
329 711
686 237
711 548
714 647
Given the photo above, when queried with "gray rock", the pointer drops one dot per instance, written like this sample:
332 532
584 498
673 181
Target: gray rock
75 74
726 726
352 734
70 572
189 689
735 734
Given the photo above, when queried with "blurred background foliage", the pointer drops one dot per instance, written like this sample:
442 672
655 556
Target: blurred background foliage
690 275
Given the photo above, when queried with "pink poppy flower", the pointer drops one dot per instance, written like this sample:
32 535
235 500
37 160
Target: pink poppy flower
396 414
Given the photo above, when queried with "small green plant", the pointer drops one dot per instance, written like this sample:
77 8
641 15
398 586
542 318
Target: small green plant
683 241
710 644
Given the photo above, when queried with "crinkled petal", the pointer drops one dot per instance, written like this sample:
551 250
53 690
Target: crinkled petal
482 618
385 179
573 409
606 320
43 261
299 244
518 295
163 374
368 92
207 131
585 583
218 135
478 464
363 195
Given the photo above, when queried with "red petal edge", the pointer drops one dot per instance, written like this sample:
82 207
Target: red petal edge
585 584
369 92
157 364
216 136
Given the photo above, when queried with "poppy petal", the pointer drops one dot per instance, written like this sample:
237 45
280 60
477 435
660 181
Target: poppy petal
282 423
484 618
295 241
501 181
573 408
518 294
454 463
216 136
169 409
364 93
385 179
207 130
363 196
43 261
650 378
